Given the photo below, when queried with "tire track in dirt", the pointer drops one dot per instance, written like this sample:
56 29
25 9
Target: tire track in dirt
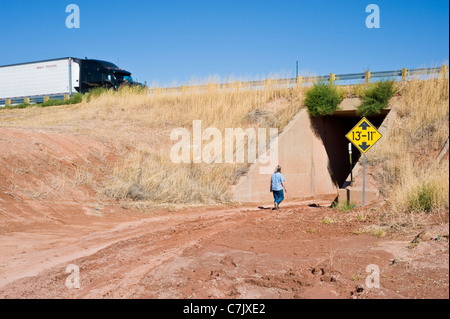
117 260
217 252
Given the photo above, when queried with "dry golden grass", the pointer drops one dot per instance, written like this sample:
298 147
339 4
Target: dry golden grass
375 230
140 109
413 179
139 125
150 176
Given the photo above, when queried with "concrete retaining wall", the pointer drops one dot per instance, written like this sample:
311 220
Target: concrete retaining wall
313 154
304 161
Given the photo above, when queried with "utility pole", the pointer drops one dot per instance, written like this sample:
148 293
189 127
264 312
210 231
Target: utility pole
296 69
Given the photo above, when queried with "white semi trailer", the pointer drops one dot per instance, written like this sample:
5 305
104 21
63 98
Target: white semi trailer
57 78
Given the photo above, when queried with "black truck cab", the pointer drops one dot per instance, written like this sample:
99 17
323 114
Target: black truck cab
97 73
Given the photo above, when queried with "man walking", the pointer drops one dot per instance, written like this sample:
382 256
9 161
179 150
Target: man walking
277 186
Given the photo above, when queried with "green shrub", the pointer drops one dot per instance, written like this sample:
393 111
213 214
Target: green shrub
343 206
75 99
96 92
322 99
422 198
376 97
19 106
52 102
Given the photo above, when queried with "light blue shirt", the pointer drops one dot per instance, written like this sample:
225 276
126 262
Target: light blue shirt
277 178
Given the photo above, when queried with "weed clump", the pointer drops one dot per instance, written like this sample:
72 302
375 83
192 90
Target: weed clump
322 99
344 206
424 198
376 97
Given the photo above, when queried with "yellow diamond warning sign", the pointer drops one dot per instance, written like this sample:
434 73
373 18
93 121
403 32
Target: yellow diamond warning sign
364 135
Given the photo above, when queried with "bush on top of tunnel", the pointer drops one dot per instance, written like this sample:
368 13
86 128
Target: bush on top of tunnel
376 97
323 99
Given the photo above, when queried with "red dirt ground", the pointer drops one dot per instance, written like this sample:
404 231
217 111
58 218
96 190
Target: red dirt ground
49 219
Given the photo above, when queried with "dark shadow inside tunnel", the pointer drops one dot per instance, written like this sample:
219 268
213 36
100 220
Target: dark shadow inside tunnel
332 130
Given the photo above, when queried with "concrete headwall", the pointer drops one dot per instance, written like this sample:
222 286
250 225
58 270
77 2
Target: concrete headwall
313 154
304 161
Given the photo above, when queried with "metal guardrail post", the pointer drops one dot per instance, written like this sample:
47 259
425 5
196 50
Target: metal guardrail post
299 82
367 76
211 87
404 74
238 86
443 71
183 90
332 78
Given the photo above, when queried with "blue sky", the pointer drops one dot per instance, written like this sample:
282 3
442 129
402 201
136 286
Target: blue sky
171 42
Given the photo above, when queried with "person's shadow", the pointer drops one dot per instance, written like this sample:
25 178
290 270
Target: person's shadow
261 207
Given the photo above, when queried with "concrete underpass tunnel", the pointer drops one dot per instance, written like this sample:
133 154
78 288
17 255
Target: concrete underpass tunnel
332 130
313 152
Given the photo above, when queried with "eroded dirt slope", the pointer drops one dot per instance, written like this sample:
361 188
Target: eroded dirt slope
49 177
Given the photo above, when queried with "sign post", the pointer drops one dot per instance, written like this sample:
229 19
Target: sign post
363 135
351 164
364 178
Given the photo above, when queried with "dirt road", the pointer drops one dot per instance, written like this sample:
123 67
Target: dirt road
305 250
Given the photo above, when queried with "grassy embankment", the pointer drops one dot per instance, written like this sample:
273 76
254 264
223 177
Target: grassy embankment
139 124
414 178
411 180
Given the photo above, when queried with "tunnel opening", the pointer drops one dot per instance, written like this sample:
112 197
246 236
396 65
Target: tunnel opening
332 130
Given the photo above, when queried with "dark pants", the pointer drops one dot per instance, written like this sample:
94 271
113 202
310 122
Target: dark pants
278 196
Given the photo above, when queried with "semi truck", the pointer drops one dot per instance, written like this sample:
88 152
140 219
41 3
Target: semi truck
57 78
